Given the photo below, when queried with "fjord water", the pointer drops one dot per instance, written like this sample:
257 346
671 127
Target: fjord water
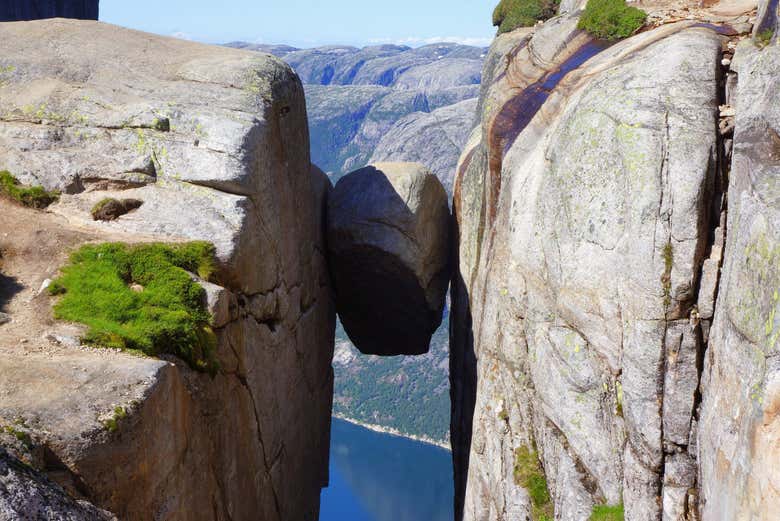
380 477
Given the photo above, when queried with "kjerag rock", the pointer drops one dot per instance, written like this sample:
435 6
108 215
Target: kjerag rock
388 248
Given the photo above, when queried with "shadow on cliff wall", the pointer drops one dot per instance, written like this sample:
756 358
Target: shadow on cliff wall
463 379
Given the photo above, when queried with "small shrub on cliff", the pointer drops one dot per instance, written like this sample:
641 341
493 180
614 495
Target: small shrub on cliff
530 475
511 14
611 19
99 289
607 513
32 196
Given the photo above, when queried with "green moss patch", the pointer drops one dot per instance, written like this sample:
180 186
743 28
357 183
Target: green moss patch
529 474
168 315
607 513
611 19
109 209
763 38
31 196
112 424
511 14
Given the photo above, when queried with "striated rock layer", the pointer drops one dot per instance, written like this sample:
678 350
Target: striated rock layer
591 219
214 143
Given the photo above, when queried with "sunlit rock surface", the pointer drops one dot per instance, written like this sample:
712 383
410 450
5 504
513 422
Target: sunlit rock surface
586 204
739 433
214 142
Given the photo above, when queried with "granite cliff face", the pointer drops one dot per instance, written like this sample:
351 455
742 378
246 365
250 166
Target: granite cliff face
214 143
595 345
16 10
387 103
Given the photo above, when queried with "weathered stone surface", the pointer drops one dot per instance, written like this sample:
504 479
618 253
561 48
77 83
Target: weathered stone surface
214 142
583 212
740 424
26 494
388 243
16 10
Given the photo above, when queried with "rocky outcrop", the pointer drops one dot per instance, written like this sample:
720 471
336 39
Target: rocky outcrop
214 143
740 421
26 494
388 244
16 10
591 219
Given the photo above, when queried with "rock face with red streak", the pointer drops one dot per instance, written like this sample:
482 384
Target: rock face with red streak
586 204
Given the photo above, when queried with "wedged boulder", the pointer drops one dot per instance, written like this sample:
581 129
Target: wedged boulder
388 245
739 433
583 207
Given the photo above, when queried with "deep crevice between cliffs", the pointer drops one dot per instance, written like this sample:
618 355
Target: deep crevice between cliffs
701 313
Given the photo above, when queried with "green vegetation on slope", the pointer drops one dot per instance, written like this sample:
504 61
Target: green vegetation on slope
406 393
607 513
32 196
140 297
511 14
611 19
530 475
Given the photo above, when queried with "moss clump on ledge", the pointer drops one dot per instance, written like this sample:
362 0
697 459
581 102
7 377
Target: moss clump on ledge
611 19
529 474
511 14
31 196
764 38
607 513
141 297
112 424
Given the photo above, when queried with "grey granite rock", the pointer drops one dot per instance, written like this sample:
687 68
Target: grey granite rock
26 494
740 425
388 243
583 210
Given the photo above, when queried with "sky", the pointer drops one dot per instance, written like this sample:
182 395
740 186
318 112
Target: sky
309 23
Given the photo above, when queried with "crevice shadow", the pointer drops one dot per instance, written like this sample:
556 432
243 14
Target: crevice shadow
9 287
463 379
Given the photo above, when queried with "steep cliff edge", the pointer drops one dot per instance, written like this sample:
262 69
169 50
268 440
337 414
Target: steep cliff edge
591 220
214 144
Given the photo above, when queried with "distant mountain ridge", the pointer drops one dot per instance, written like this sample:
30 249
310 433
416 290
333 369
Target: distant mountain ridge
386 102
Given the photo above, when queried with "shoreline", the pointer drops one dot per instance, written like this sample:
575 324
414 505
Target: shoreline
394 432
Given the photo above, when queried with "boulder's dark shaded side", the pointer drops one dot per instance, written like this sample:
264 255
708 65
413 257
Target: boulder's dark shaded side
388 236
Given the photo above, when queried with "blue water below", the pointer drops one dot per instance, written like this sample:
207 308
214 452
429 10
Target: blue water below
379 477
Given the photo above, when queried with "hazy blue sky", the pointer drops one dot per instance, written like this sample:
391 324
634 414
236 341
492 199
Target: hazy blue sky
307 23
